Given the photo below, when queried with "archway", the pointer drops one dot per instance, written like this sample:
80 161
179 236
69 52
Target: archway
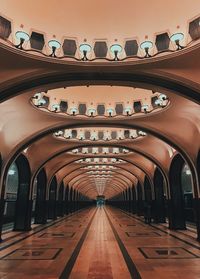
70 200
134 205
41 205
52 211
12 183
130 199
186 182
140 208
159 203
67 200
177 220
23 208
147 200
147 190
60 203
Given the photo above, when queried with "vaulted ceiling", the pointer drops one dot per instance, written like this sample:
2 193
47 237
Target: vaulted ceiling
47 102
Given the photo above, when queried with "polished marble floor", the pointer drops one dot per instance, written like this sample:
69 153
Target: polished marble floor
100 244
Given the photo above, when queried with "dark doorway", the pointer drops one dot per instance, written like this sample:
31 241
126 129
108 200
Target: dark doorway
134 205
41 203
187 188
147 190
70 202
177 220
148 212
12 183
67 200
130 199
60 206
100 201
23 206
140 208
52 214
159 203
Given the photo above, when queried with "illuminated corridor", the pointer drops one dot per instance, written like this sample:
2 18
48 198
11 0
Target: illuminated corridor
99 139
100 243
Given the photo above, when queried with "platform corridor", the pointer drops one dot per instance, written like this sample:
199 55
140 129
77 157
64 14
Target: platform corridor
101 243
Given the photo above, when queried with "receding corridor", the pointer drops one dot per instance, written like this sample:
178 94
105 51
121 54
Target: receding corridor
100 255
99 139
100 243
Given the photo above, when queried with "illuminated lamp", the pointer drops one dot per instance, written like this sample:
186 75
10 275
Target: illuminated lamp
91 112
146 46
116 49
73 110
58 133
176 38
141 133
84 49
41 102
37 96
110 112
55 107
128 111
54 45
158 102
145 108
162 97
22 37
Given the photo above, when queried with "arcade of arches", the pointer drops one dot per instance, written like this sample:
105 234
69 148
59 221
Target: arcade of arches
99 140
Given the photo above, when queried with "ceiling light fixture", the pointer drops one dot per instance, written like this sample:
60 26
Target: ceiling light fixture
162 97
110 112
73 110
158 102
176 38
23 37
85 48
41 102
146 46
54 45
116 49
55 107
128 110
145 108
91 111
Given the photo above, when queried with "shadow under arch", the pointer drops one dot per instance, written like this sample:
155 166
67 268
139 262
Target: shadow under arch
177 220
52 204
41 203
140 200
159 203
60 203
147 190
23 210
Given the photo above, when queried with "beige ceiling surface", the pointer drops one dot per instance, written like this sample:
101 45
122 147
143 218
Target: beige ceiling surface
100 94
94 19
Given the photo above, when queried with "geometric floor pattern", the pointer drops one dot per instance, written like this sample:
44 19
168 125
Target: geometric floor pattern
57 235
33 254
166 253
140 234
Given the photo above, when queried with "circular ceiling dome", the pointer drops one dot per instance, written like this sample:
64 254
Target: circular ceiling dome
90 20
100 101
